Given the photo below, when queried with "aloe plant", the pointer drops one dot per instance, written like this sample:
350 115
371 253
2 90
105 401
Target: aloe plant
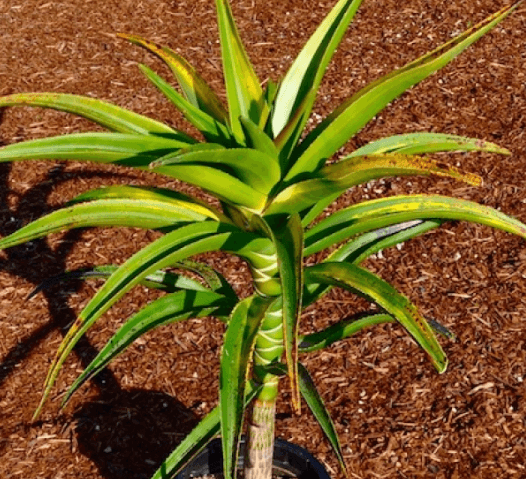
273 181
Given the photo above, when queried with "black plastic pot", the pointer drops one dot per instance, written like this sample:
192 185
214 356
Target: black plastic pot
289 460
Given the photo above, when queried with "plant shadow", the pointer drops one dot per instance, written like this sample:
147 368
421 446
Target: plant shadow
126 433
129 434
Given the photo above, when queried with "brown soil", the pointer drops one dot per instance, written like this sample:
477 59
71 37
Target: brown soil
397 417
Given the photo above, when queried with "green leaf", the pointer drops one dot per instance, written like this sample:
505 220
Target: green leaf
168 309
164 252
349 327
162 280
147 214
194 87
257 139
330 135
341 330
243 88
420 143
315 402
305 74
336 178
211 129
105 114
310 214
215 280
120 148
367 284
358 249
151 194
217 181
288 238
383 212
203 433
298 90
254 168
235 358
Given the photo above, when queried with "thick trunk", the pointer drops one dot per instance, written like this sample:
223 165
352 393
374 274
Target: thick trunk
260 440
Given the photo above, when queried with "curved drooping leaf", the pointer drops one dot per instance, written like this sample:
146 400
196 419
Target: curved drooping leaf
194 87
212 129
171 248
258 170
235 361
103 113
315 402
358 249
398 209
162 280
151 194
298 89
421 143
363 282
214 280
349 327
119 148
341 330
330 135
338 177
165 310
202 434
147 214
243 88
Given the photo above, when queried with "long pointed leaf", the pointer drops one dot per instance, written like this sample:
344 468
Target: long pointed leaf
103 113
107 213
420 143
238 345
363 282
341 330
165 251
258 170
168 309
338 177
212 129
119 148
220 183
161 280
352 115
315 402
289 246
195 88
358 249
244 92
390 211
304 76
151 194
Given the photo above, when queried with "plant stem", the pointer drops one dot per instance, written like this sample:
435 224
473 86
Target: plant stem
260 440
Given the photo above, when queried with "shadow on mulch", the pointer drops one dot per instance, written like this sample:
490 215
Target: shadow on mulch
125 433
129 434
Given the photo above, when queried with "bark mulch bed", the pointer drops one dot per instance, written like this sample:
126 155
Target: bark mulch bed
396 416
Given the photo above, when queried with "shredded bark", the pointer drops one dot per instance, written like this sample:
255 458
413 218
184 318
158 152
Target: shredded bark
396 417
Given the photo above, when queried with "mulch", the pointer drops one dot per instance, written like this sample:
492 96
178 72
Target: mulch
397 417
